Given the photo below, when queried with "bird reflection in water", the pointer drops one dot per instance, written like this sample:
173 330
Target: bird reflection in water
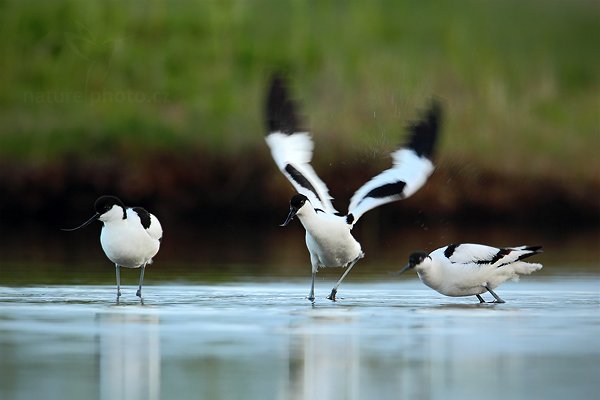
324 364
128 356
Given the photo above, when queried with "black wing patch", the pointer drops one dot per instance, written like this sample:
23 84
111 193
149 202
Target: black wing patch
281 115
387 190
423 133
450 250
533 250
301 180
500 254
350 219
144 216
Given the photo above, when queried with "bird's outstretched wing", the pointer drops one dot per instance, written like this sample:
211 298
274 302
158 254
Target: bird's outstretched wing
291 147
412 166
469 253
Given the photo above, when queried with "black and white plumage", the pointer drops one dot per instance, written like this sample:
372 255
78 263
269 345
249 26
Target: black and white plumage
471 269
328 233
130 237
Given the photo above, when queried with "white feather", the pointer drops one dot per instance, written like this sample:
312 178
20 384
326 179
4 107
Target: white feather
407 167
296 150
475 254
466 271
155 229
468 253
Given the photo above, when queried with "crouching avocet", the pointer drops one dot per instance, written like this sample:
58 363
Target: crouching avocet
130 236
471 269
328 237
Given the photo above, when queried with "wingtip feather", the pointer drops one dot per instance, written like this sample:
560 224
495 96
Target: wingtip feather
424 132
280 108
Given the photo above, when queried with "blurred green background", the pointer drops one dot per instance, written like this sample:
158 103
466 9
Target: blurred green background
520 79
161 103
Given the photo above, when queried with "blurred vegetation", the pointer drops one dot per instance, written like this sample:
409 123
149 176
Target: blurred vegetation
102 79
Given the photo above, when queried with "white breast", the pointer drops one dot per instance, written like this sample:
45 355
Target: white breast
329 238
127 245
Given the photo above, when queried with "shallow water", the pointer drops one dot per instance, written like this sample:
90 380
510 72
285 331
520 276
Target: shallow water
255 340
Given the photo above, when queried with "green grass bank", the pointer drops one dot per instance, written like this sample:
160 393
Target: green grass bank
120 82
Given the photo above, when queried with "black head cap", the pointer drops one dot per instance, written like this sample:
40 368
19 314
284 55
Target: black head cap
417 258
105 203
414 259
298 201
295 204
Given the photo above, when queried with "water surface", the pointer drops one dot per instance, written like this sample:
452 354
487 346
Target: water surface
257 340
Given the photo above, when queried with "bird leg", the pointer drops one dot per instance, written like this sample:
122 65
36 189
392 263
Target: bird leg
118 269
481 300
311 295
352 263
498 299
139 291
332 294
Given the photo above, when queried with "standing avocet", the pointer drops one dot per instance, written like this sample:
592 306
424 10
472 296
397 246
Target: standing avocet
130 236
471 269
328 235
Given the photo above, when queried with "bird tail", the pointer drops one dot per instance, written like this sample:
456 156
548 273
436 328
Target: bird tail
523 268
519 267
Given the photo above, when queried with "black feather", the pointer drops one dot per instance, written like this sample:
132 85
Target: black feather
499 255
349 219
450 250
388 190
281 109
533 250
423 133
144 216
301 180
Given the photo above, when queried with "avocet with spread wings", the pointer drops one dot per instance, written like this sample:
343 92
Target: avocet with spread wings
328 233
